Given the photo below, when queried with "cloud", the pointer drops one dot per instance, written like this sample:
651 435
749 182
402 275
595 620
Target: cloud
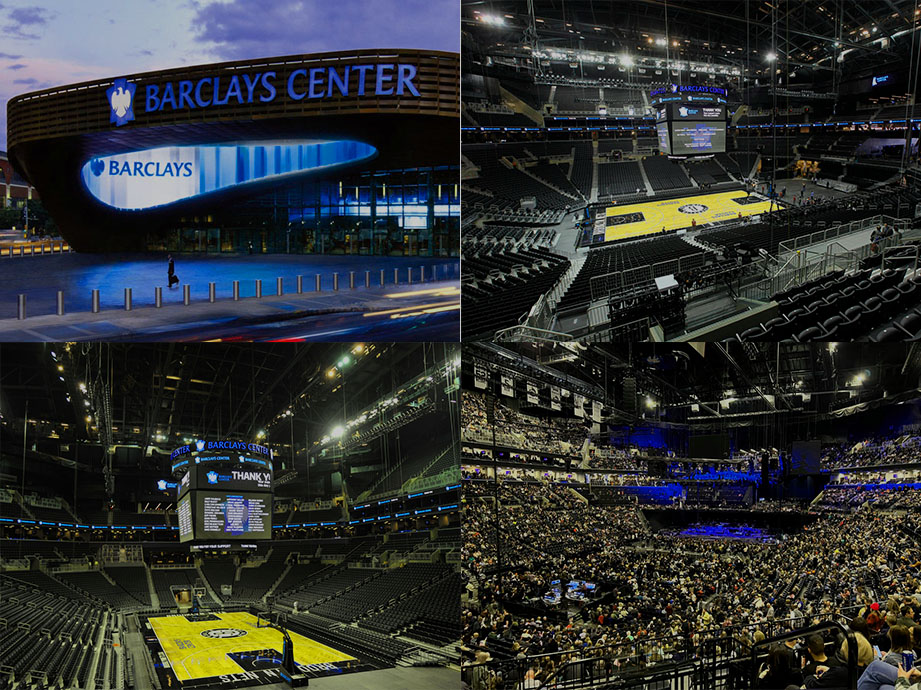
27 81
243 29
18 65
8 56
22 18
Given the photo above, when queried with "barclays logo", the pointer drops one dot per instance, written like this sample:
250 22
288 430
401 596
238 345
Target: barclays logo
97 166
212 477
121 99
162 483
199 445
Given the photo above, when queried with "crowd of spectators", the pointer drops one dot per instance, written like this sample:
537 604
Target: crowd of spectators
520 431
663 596
903 449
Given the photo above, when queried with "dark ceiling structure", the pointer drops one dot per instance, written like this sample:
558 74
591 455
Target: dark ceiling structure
805 36
158 396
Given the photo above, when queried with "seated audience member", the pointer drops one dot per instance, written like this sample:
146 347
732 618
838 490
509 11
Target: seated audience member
899 641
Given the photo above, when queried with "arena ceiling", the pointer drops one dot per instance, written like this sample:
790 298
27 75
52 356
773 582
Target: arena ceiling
809 35
706 373
154 395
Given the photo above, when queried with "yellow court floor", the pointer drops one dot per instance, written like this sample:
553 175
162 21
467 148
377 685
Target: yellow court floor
672 214
193 655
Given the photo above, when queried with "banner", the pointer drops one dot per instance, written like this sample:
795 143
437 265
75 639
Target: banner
578 405
532 393
480 376
596 410
508 386
554 398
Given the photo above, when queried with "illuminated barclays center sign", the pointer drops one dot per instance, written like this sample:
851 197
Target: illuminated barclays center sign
351 152
383 79
206 446
156 177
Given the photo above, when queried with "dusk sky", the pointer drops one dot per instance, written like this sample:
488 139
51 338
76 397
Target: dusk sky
65 41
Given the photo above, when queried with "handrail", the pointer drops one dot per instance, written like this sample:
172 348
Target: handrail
509 334
804 632
914 247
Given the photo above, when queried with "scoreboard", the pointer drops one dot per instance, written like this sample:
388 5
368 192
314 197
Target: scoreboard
691 129
227 516
223 496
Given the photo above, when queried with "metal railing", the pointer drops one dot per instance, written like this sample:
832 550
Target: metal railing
719 658
602 286
836 231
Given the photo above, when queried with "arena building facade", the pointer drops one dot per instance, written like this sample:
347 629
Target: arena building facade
335 153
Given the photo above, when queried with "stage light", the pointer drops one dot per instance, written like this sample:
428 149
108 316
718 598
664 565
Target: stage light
358 349
261 434
337 431
771 57
331 373
626 60
60 367
86 403
88 419
650 402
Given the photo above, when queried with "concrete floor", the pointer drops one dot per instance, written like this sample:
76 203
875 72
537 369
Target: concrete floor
422 311
41 277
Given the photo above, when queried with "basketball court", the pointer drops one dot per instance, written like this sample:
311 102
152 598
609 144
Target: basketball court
646 218
221 644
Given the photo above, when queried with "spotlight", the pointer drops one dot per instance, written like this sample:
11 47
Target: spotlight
337 431
331 373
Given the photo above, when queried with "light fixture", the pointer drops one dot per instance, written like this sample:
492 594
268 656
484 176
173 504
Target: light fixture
331 373
337 431
771 57
650 402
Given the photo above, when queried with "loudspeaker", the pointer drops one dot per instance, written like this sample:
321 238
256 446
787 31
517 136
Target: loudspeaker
629 402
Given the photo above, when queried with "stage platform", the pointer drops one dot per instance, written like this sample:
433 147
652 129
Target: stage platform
228 647
635 220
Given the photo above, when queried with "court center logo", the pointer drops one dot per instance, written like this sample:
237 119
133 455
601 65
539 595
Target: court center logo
121 100
692 208
223 633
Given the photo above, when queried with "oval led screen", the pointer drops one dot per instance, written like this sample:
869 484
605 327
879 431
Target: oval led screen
157 177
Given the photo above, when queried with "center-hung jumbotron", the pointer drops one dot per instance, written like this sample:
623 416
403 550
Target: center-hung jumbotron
345 152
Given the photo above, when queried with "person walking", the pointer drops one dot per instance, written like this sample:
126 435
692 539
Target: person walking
171 272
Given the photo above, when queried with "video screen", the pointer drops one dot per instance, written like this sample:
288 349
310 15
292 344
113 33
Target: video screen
662 132
229 516
689 138
184 511
230 478
695 112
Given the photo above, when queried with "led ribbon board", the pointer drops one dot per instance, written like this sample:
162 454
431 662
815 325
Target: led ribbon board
147 179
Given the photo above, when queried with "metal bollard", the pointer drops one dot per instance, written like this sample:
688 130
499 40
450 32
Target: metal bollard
259 288
351 280
319 283
60 309
382 277
21 307
335 281
95 301
22 250
367 279
158 297
435 272
300 285
279 287
236 290
186 294
409 276
422 274
212 292
128 299
396 276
